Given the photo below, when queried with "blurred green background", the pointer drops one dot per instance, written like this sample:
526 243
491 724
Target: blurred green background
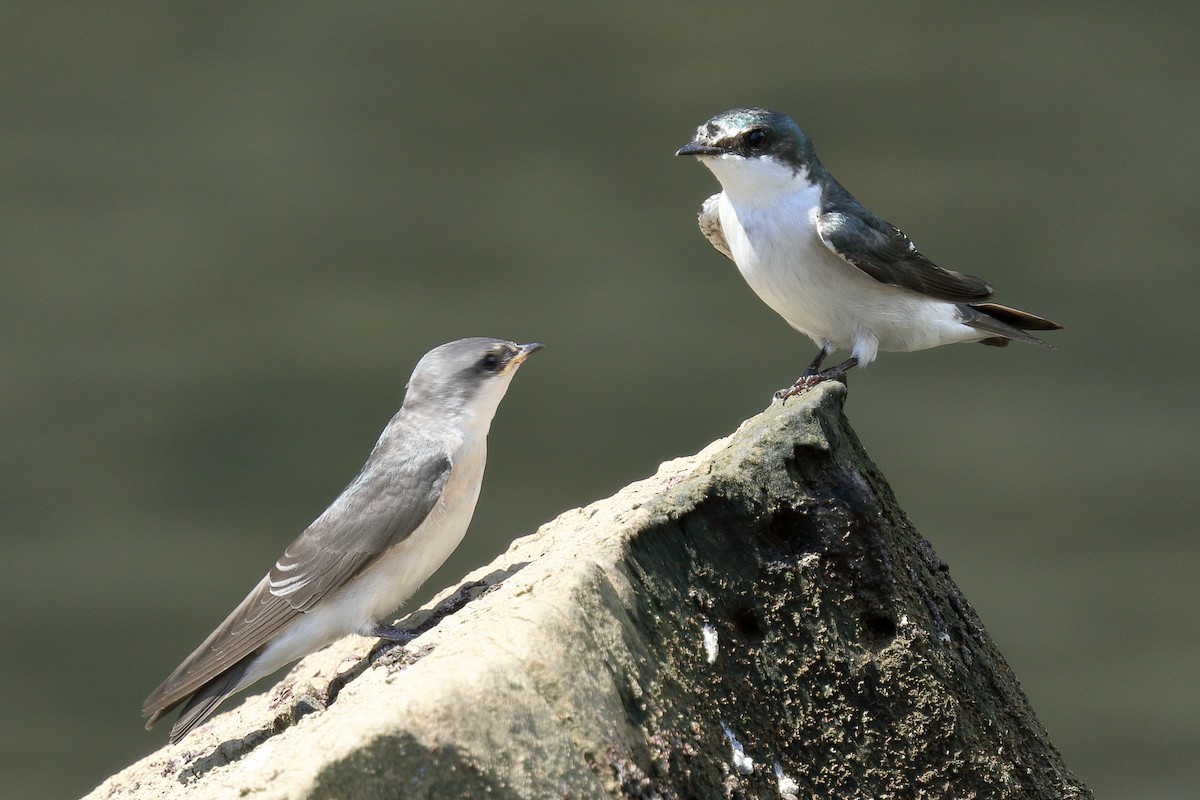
229 230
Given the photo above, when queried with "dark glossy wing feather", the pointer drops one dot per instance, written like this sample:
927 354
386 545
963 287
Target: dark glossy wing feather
382 506
882 251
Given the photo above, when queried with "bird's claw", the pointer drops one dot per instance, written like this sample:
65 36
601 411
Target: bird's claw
811 378
802 384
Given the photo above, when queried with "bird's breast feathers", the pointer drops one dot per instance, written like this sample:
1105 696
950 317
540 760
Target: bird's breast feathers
779 251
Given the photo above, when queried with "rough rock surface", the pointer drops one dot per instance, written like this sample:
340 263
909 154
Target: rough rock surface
758 620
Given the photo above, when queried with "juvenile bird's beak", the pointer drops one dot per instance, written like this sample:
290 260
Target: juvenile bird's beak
694 148
524 351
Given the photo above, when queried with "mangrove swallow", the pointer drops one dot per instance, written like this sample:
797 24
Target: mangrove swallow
388 531
833 270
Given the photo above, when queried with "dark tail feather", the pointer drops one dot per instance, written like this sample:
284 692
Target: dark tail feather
204 702
1005 323
201 704
1017 318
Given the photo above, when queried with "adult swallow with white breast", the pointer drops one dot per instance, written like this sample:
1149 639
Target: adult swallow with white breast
833 270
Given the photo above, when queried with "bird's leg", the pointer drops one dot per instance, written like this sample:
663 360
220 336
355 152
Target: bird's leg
393 633
812 368
812 377
809 372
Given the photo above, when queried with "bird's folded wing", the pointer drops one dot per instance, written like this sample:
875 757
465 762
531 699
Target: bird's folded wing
380 508
882 251
248 627
710 226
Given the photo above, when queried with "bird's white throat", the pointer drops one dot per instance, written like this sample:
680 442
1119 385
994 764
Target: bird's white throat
759 181
478 413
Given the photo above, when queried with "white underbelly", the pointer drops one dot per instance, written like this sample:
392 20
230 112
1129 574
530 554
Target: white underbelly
827 298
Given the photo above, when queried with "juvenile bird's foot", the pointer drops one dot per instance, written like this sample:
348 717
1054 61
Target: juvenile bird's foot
811 378
391 650
393 633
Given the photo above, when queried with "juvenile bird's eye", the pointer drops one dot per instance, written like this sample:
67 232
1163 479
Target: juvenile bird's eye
489 363
756 139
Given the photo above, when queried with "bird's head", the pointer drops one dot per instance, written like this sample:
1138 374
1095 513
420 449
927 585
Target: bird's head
753 147
467 377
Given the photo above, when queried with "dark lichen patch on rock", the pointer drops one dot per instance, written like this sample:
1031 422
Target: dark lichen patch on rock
840 640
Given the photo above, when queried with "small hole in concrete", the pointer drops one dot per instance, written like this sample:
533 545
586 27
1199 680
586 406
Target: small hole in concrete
746 622
878 628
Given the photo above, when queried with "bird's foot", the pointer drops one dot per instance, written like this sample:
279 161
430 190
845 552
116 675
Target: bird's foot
393 633
392 650
802 384
811 378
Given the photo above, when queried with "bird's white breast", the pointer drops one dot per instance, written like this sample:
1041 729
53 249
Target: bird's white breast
769 218
770 226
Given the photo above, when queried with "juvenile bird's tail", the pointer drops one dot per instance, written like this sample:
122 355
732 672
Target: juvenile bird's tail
198 706
1005 323
203 703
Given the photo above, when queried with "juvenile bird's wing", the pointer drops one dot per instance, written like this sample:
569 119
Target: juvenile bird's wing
710 226
388 500
381 508
882 251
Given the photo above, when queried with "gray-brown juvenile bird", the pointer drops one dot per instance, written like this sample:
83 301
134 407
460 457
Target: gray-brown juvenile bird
388 531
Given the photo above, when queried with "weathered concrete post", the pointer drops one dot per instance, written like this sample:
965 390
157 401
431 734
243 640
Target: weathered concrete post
758 620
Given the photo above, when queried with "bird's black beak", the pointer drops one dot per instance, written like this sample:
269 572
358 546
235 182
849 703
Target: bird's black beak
695 148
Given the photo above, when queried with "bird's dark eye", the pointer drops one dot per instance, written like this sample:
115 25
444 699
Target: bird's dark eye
756 139
489 363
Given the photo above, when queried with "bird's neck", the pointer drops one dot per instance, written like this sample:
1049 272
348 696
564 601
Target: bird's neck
762 181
